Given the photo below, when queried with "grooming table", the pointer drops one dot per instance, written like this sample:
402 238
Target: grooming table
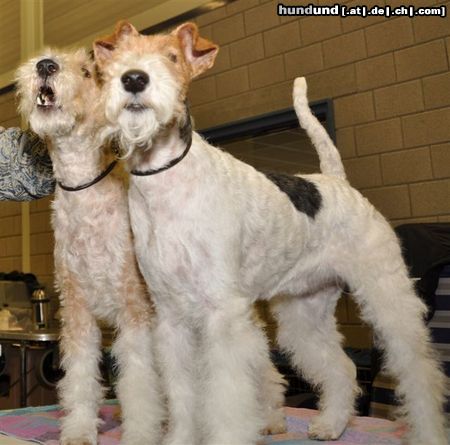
40 425
25 341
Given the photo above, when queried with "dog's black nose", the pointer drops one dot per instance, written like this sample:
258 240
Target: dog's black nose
135 81
47 67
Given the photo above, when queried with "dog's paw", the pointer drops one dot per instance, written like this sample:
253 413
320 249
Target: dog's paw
77 442
276 424
322 429
278 428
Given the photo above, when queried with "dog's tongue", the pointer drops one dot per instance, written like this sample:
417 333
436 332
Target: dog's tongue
45 96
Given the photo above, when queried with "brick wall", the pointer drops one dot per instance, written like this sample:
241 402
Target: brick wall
390 84
8 111
389 80
10 237
42 242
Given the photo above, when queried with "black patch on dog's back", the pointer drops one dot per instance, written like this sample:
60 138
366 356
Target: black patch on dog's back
303 194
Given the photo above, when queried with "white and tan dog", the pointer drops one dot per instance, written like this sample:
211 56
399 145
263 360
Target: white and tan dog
213 235
95 265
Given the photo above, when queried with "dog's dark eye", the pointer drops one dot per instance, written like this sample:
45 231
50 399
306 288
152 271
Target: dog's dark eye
173 57
86 72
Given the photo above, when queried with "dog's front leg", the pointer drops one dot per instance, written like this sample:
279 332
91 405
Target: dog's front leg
176 354
234 357
80 391
138 386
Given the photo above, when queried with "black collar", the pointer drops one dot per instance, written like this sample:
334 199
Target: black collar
105 173
185 135
164 167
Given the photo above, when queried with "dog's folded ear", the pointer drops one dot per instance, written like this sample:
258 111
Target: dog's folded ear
124 28
200 53
104 46
103 49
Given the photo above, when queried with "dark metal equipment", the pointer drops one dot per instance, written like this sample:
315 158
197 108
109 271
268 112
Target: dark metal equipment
40 304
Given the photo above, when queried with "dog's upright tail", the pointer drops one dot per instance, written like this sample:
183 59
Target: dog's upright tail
330 159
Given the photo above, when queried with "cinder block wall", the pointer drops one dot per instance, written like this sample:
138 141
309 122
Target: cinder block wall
42 242
389 80
10 237
390 84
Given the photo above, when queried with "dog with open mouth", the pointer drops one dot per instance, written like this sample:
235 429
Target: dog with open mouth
95 266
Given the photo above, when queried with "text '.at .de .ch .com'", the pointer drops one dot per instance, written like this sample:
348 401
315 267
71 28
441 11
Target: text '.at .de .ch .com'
361 11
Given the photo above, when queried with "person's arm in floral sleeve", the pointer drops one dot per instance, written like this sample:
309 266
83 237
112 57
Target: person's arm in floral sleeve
25 166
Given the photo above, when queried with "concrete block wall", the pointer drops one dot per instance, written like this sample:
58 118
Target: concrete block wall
42 242
8 111
389 80
10 237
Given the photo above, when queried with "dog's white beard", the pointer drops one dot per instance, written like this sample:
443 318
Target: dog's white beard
137 129
57 123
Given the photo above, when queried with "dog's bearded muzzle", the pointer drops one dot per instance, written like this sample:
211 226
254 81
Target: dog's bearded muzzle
46 70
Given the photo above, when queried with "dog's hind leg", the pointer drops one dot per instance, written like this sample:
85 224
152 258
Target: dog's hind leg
307 332
383 290
80 391
138 386
273 387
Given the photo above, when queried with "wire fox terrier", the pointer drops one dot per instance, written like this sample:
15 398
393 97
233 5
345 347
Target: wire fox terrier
95 265
213 235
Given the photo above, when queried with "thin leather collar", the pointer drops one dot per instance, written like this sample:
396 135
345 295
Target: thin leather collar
102 175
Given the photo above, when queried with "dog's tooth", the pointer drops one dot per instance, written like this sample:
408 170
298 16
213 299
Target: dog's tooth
42 99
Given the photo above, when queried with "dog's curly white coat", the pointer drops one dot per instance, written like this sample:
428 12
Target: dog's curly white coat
213 235
95 266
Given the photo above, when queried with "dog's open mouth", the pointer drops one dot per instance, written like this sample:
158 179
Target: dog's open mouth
136 108
46 97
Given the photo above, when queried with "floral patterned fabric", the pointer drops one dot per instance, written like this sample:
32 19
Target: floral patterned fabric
41 425
25 166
